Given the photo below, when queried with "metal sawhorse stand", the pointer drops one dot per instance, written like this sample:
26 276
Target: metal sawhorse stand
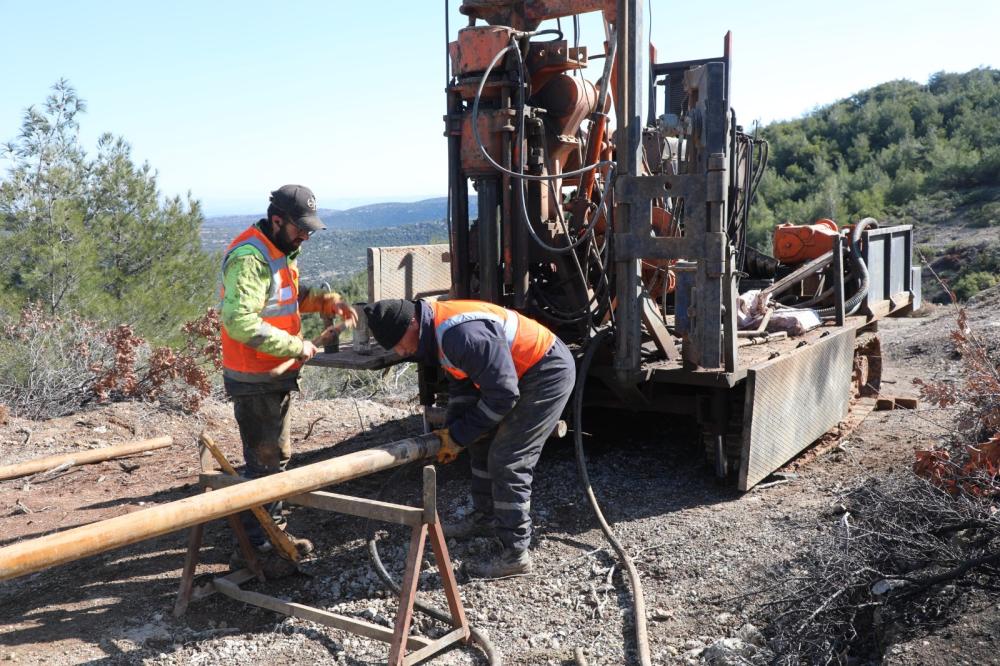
422 520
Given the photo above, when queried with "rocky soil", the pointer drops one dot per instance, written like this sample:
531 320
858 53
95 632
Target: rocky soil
700 547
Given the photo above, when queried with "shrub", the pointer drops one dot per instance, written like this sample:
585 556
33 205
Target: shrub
987 216
398 381
54 365
972 283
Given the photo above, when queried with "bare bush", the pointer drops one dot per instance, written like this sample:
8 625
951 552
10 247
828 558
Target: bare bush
392 383
54 365
978 394
895 562
903 550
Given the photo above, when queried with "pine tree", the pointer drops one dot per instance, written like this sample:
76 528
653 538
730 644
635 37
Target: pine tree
93 235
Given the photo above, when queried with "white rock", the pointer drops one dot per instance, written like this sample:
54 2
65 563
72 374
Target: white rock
750 634
728 652
660 614
886 585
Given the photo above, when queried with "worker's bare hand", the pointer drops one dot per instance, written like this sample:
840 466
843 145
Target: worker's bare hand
348 314
308 350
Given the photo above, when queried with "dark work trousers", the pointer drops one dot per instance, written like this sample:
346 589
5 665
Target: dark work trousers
264 420
503 465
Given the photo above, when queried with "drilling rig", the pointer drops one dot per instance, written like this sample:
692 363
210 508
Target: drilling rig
614 194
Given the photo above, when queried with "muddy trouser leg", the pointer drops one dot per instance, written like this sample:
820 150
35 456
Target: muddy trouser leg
462 397
264 428
513 453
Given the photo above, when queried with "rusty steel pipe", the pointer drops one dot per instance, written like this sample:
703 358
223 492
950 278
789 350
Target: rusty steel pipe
36 554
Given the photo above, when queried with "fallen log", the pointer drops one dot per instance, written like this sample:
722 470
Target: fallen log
82 457
36 554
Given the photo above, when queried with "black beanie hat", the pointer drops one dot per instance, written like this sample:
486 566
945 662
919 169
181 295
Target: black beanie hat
389 319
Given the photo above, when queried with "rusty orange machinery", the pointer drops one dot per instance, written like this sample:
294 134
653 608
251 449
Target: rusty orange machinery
568 101
798 243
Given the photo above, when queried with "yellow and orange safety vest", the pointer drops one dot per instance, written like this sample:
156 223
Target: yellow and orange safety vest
526 338
281 310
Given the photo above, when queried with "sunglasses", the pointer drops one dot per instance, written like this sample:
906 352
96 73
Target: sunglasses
301 228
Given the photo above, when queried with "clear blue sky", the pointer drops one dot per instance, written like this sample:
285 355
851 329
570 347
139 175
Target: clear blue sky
230 99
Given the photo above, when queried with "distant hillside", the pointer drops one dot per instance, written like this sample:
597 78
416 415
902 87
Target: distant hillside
372 216
335 255
901 152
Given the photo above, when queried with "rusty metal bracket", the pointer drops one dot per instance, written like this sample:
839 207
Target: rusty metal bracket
632 189
424 523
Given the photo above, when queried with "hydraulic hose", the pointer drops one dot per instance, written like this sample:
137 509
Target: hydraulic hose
858 270
478 637
639 601
520 175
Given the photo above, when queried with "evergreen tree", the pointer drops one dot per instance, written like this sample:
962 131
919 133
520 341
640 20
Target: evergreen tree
93 235
41 203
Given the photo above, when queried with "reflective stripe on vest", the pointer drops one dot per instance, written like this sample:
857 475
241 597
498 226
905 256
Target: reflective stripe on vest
242 361
281 299
527 340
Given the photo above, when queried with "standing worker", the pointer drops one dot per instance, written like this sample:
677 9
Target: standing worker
519 376
261 330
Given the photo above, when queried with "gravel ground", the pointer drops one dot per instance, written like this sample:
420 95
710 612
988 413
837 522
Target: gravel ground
700 547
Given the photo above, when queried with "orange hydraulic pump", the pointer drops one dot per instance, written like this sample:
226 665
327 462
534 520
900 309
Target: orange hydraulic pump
796 243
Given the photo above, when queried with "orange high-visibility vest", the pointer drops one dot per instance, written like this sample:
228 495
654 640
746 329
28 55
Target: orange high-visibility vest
526 338
281 310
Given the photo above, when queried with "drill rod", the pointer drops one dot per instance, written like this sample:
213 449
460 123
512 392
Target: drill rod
50 550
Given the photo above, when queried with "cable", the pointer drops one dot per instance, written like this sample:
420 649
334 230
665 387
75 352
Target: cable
479 141
641 635
520 175
447 55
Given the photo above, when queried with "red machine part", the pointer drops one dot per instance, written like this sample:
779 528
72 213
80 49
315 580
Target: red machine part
796 243
476 47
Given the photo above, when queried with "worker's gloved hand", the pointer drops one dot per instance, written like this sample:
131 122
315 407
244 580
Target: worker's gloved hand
449 449
329 304
348 314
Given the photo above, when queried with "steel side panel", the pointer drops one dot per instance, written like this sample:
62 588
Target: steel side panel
791 401
410 272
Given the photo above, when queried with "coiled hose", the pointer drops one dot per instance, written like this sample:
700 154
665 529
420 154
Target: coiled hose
858 270
479 638
641 636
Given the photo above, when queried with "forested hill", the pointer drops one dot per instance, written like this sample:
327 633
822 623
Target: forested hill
361 218
902 152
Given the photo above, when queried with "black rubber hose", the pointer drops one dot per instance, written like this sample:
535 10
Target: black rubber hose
859 270
639 601
479 638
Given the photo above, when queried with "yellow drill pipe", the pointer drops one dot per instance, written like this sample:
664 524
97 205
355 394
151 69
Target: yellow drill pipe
34 555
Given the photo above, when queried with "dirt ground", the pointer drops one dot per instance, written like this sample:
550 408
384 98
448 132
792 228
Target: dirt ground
699 546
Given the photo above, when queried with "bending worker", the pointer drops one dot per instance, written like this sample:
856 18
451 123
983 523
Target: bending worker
521 376
261 329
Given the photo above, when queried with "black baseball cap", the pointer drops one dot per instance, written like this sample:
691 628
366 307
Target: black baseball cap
299 203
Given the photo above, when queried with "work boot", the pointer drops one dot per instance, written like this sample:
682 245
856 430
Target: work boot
271 563
511 562
475 524
304 546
